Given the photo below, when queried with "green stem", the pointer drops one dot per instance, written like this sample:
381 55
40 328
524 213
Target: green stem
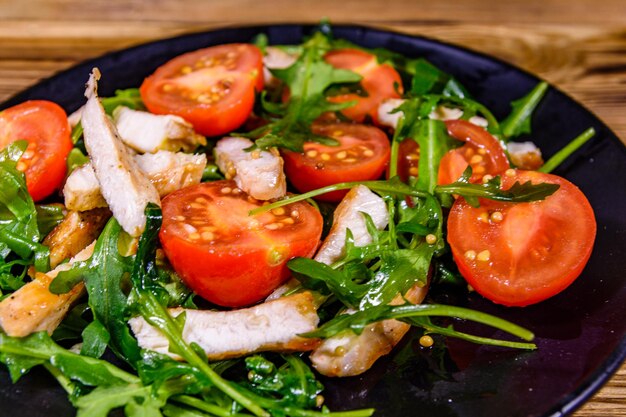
569 149
203 406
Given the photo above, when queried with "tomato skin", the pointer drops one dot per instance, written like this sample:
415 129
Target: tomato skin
309 173
44 125
212 88
380 81
244 260
536 250
480 144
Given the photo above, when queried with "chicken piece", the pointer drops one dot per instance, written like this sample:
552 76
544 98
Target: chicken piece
33 308
167 171
275 58
147 133
258 173
348 215
525 155
75 232
124 187
271 326
387 116
349 354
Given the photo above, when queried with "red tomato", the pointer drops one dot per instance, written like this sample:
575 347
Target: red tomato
44 125
362 155
227 256
522 253
408 159
211 88
380 82
482 151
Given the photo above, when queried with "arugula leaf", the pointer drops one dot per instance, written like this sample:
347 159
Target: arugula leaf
307 79
518 121
434 142
48 217
558 158
518 193
294 384
407 312
103 274
75 159
19 231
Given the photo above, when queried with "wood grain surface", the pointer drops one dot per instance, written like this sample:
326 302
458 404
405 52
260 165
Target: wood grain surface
578 45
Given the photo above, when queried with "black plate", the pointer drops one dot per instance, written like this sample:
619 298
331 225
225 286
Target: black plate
580 333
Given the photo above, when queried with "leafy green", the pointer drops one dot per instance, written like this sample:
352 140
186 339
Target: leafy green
307 79
75 159
558 158
48 217
103 274
413 314
517 193
518 121
19 230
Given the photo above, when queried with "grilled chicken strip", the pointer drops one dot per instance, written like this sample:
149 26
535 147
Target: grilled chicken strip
125 189
275 58
348 215
167 171
76 231
147 133
258 173
269 326
387 116
349 354
33 308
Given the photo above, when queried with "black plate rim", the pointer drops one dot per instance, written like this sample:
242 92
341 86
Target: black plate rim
576 398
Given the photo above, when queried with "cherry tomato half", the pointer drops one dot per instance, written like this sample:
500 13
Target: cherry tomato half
211 88
522 253
362 155
380 82
227 256
44 125
482 152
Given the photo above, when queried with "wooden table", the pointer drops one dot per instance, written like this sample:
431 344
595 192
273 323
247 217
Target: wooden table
578 45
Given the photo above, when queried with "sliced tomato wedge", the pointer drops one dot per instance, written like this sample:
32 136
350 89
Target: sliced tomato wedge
362 155
44 125
227 256
211 88
518 254
408 159
481 151
380 82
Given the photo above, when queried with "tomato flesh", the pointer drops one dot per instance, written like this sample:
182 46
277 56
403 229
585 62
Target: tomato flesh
227 256
518 254
481 151
362 155
380 82
44 125
212 88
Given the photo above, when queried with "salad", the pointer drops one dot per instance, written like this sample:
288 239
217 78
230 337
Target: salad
268 208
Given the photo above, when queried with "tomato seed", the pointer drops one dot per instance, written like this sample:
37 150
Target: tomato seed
272 226
509 172
479 169
208 236
412 157
426 341
431 239
194 236
288 220
341 155
496 216
179 218
483 217
325 157
349 160
279 211
483 256
186 69
414 171
368 153
294 214
476 159
487 178
482 151
226 190
470 255
312 153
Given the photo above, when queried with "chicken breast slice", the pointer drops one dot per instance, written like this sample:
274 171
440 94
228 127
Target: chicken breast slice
75 232
167 171
387 116
258 173
349 354
348 215
33 308
125 188
275 58
269 326
148 133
